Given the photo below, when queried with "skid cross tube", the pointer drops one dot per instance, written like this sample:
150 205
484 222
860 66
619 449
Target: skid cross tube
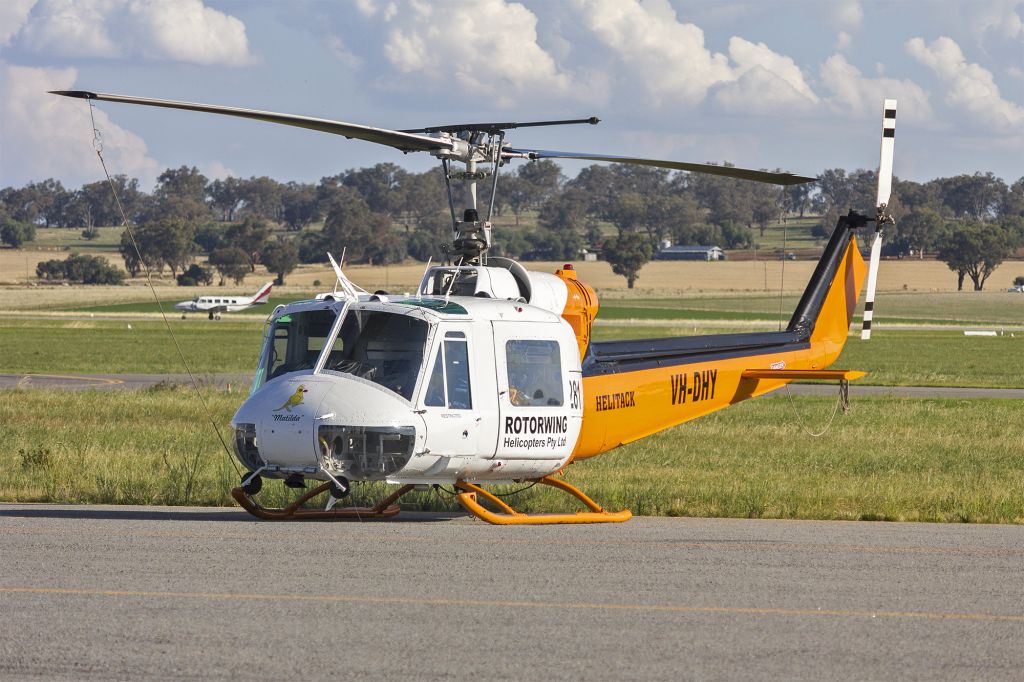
510 517
385 508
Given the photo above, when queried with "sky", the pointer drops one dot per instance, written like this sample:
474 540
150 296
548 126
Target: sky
771 84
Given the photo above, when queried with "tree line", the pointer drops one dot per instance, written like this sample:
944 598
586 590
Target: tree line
385 214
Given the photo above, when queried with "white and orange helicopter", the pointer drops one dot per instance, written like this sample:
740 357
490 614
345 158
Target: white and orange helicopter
487 373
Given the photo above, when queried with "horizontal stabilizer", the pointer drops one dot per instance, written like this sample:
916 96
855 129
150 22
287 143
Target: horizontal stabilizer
797 374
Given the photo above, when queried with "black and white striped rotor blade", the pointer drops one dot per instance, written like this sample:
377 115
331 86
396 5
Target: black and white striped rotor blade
884 192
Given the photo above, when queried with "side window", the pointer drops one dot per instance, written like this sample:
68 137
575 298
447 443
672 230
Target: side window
449 383
534 373
456 366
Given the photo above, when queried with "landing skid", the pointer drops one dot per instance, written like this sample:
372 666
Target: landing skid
386 508
507 516
510 517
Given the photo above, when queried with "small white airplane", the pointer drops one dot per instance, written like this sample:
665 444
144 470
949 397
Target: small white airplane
215 305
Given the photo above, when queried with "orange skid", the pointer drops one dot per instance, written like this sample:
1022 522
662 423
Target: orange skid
510 517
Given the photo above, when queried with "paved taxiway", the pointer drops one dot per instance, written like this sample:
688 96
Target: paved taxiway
171 593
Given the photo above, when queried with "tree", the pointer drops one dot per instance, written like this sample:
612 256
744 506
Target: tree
765 204
132 262
378 186
225 197
978 196
426 241
421 196
15 233
280 258
194 276
180 193
209 237
350 225
261 197
975 249
166 241
299 206
545 244
80 268
918 231
250 236
627 254
230 262
797 198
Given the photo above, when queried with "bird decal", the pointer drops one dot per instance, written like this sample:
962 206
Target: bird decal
294 400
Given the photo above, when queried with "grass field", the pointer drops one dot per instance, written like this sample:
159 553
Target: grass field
932 460
892 459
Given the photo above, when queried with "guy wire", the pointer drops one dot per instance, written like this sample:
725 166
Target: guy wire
843 401
97 144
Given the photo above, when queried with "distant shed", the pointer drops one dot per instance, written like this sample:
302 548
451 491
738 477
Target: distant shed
705 253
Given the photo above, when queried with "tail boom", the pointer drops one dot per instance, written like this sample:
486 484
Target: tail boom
634 389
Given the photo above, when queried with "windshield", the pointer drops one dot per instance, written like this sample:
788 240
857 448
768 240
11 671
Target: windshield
294 343
385 348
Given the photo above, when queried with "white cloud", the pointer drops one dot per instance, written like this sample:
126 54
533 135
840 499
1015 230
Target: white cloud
336 46
482 47
970 88
184 30
666 57
49 136
215 170
1000 17
858 96
843 40
767 82
13 16
848 15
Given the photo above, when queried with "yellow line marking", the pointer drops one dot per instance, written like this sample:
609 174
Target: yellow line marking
109 382
424 601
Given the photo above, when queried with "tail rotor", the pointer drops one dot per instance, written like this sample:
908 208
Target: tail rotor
882 218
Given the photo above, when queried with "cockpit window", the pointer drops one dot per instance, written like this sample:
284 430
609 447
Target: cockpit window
449 382
296 341
381 347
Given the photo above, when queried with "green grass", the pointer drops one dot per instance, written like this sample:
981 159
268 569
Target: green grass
897 358
892 459
61 239
186 295
977 308
50 346
120 347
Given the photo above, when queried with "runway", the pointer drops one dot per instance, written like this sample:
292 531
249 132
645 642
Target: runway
171 593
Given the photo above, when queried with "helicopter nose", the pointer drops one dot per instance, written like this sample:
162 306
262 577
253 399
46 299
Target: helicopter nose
300 424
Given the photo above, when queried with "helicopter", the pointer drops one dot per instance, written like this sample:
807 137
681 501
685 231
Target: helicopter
488 373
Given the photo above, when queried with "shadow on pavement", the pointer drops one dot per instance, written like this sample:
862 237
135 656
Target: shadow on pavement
191 514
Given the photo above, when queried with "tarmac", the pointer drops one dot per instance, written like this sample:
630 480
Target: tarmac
104 592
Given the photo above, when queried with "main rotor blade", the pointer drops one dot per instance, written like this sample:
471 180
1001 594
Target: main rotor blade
495 127
710 169
405 142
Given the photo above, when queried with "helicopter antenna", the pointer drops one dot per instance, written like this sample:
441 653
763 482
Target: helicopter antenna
350 290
